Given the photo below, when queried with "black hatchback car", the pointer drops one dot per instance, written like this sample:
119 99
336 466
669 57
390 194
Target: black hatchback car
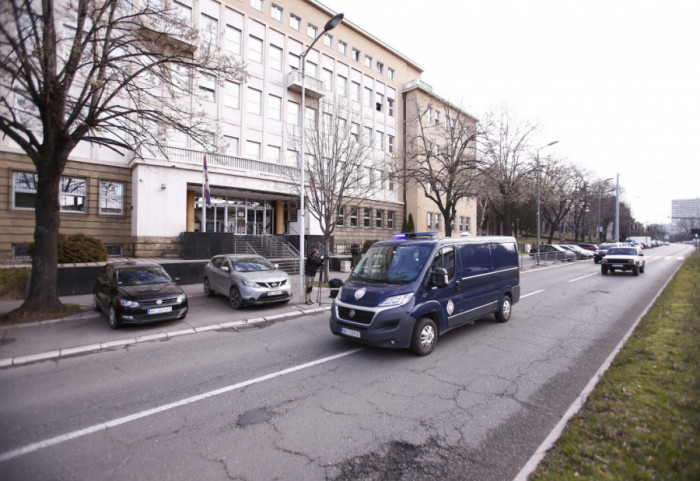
133 292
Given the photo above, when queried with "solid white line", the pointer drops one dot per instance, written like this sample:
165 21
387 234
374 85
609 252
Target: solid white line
531 294
558 429
583 277
149 412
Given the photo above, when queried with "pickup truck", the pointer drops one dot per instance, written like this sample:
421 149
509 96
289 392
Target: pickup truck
623 259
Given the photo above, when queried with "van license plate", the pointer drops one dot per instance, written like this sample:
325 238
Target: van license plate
350 332
160 310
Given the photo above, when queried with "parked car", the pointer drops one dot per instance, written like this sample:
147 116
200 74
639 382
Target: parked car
588 246
579 252
603 249
246 279
623 259
551 252
138 292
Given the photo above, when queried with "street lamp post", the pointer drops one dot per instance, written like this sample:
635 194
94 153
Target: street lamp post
538 198
330 25
617 210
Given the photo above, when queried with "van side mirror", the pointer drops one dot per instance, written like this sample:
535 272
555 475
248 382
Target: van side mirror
438 277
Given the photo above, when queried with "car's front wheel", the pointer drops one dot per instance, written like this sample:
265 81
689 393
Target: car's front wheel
641 268
114 321
604 270
234 298
424 337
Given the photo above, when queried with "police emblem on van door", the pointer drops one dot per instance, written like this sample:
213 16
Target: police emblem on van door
450 308
360 292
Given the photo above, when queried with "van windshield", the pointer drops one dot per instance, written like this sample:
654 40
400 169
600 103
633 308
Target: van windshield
393 263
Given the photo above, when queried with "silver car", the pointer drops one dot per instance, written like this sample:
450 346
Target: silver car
246 279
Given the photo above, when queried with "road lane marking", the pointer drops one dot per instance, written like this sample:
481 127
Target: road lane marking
583 277
531 294
30 448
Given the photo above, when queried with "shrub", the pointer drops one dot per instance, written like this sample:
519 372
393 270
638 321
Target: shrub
367 244
13 282
80 248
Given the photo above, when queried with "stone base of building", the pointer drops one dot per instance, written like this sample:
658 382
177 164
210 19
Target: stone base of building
158 247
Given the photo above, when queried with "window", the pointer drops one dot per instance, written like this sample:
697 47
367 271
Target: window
328 40
390 219
430 220
310 118
355 55
230 145
276 55
353 216
111 197
254 101
274 154
24 189
392 181
294 22
367 97
274 107
342 47
390 106
342 86
391 73
277 12
292 113
233 40
380 102
379 139
380 67
311 69
232 95
368 61
469 224
340 220
255 49
294 61
311 31
73 194
379 219
207 88
252 149
257 4
292 158
390 142
355 131
209 31
438 221
367 220
327 79
368 135
355 92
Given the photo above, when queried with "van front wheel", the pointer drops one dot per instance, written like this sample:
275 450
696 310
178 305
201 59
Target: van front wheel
503 312
424 337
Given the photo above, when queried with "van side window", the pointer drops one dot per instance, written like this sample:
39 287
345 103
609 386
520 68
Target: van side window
475 259
445 258
505 255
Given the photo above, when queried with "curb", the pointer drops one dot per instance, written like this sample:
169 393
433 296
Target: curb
119 343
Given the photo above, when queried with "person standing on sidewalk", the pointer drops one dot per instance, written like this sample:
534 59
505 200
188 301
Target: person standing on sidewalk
313 261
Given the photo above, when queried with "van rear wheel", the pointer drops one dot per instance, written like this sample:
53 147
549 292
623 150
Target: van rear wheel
424 337
503 312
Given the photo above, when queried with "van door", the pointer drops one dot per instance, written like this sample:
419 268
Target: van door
449 297
479 297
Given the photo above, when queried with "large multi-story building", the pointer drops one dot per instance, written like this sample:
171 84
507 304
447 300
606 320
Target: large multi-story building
140 205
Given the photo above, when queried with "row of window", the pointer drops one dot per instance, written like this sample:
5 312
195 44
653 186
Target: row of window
435 222
277 12
382 219
72 194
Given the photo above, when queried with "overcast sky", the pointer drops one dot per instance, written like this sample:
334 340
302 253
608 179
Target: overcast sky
617 83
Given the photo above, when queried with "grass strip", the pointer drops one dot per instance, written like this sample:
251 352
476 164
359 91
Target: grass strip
642 421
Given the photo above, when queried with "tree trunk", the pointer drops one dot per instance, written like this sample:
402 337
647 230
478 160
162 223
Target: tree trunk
44 276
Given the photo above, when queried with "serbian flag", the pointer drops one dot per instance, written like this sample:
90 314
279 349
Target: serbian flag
206 183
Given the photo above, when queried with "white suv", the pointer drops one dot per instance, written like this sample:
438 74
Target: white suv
623 259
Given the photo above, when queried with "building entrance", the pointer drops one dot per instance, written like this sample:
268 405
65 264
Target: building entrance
240 216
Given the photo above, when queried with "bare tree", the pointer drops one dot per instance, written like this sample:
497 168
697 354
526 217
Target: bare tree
114 73
441 158
561 187
345 166
505 162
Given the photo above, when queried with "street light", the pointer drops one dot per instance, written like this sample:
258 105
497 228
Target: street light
617 210
330 25
538 197
599 229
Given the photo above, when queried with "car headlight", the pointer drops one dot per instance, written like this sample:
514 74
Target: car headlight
128 303
181 298
396 301
249 283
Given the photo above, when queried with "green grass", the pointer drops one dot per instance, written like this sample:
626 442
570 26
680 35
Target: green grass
642 422
13 282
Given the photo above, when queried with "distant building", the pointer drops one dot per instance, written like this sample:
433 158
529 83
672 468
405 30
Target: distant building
685 215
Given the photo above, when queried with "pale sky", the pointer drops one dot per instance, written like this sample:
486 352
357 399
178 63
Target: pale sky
617 83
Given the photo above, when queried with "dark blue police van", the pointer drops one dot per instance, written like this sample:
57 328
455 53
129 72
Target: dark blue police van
407 293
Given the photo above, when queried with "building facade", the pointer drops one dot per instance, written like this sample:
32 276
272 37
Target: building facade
685 215
140 205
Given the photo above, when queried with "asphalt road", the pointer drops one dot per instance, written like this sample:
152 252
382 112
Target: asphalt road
284 399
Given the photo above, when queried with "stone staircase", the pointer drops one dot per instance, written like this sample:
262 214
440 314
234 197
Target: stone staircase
273 248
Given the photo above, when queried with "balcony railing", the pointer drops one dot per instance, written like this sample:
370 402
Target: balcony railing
313 86
196 157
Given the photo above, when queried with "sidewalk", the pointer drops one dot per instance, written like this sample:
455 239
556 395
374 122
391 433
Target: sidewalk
89 331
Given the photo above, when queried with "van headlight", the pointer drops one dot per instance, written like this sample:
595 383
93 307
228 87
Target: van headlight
396 301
